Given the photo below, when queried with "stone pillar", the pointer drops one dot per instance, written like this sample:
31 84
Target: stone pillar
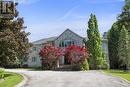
62 60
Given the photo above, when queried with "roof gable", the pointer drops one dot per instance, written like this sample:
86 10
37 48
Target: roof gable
55 38
71 32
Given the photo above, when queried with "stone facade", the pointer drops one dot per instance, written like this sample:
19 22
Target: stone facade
67 38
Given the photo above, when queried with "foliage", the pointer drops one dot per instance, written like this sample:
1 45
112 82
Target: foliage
94 44
8 46
123 50
84 66
50 55
124 17
77 56
113 38
11 80
21 37
2 72
105 64
124 20
14 43
114 34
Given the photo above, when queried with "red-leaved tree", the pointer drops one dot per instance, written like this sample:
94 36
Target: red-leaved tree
76 54
50 55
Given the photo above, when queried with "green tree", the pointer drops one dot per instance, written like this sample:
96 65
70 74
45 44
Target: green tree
113 38
123 49
21 37
114 33
8 45
124 17
14 43
94 44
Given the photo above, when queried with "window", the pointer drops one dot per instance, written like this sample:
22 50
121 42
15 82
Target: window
73 42
66 43
34 48
34 59
4 7
60 45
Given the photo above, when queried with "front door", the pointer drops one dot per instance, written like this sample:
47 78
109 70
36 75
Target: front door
66 62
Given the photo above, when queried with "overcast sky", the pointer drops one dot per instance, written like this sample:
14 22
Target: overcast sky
47 18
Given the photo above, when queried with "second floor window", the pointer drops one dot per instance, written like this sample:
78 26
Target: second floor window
66 43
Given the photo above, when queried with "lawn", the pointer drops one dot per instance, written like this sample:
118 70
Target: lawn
10 80
120 73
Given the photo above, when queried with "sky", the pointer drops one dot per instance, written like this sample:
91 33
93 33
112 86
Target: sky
48 18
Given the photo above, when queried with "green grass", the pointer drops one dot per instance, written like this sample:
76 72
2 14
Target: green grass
120 73
10 80
2 73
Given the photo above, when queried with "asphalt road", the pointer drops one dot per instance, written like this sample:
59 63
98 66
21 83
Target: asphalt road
70 79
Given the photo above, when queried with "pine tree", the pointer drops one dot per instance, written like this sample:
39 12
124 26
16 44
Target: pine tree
123 49
94 44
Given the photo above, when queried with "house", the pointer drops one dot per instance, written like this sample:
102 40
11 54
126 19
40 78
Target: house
67 38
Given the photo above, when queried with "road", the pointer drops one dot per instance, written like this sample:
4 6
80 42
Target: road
70 79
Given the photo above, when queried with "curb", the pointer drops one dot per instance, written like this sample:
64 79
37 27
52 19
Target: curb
25 79
115 76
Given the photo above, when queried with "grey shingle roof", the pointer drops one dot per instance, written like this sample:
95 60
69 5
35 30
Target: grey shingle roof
44 40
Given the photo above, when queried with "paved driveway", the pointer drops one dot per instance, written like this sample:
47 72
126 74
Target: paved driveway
70 79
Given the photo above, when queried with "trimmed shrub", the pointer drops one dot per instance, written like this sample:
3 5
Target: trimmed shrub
84 66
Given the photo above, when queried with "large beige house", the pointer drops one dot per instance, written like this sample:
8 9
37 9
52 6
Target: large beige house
67 38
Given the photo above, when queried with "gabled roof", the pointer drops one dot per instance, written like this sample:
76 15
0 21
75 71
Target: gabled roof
71 32
45 40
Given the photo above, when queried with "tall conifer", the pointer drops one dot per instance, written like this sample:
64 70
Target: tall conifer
123 49
94 45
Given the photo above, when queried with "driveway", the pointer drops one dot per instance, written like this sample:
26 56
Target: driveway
70 79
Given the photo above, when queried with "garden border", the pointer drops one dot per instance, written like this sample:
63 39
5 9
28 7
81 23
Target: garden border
24 81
